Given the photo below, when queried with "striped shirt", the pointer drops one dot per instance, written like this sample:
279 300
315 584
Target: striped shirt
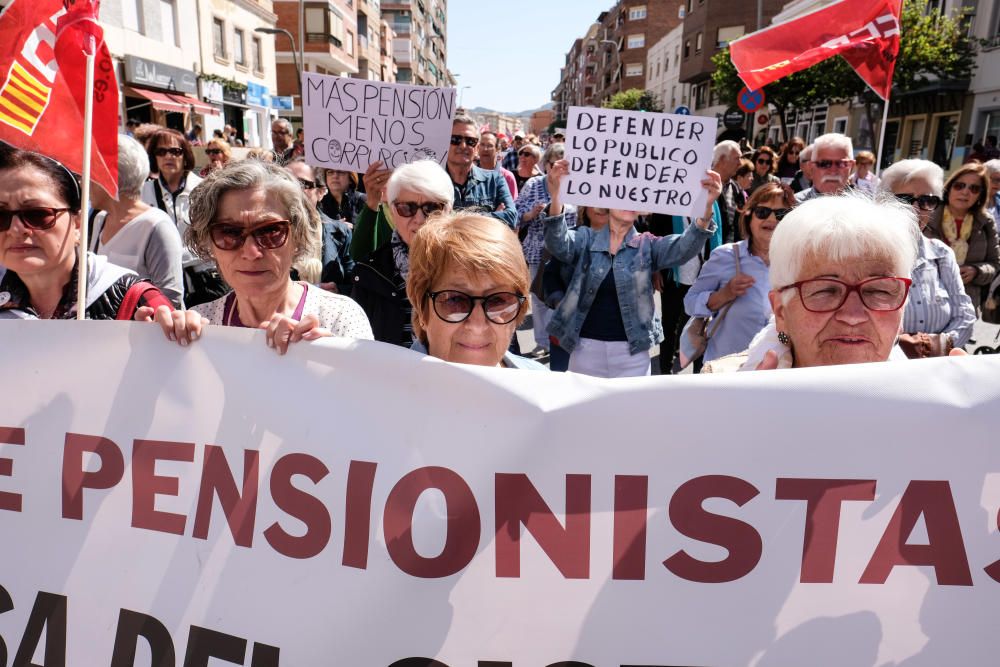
938 302
536 191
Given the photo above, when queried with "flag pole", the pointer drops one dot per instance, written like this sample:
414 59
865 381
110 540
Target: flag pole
88 126
881 139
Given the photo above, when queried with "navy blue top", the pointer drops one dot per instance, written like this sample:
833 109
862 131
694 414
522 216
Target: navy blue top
604 321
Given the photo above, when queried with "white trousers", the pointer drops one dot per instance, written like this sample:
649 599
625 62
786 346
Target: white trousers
607 359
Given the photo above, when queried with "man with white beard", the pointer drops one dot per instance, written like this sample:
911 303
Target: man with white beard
832 161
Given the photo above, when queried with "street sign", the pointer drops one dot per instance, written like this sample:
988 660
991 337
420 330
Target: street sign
682 110
733 118
750 100
763 119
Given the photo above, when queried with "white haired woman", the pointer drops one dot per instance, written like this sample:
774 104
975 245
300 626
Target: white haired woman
380 245
133 234
939 315
254 220
840 274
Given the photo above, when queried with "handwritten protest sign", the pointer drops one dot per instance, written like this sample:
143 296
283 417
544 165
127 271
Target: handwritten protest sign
637 161
350 123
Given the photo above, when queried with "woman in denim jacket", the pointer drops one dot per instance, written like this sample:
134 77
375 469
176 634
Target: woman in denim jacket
607 320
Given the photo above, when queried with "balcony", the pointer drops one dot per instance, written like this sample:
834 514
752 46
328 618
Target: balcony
320 38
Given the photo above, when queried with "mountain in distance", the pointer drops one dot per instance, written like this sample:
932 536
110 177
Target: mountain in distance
515 114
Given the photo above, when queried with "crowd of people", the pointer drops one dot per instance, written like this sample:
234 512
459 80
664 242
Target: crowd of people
803 255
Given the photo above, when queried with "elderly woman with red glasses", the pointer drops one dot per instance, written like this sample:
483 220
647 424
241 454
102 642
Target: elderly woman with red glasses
380 245
964 224
39 242
253 219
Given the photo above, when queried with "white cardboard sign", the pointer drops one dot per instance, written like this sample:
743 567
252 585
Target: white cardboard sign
637 161
350 123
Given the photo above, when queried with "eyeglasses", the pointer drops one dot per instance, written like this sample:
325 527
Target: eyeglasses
175 152
764 212
526 154
213 151
974 188
825 295
268 236
457 139
832 164
408 209
923 202
308 185
454 306
764 160
38 218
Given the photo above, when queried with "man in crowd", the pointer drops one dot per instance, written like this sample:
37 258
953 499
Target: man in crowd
993 200
475 187
488 160
725 161
510 157
338 267
281 139
831 161
803 177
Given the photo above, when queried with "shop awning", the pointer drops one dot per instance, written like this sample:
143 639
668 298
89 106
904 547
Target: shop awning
176 102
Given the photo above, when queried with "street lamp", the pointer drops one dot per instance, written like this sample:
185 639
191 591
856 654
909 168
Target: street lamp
295 58
461 95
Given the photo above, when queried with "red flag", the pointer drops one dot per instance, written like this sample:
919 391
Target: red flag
864 32
43 73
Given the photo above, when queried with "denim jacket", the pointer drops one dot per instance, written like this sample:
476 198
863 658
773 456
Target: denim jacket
640 255
486 190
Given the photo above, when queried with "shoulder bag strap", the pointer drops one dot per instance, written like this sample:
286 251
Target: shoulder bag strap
131 301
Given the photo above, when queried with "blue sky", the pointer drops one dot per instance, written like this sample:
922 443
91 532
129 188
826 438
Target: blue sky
512 61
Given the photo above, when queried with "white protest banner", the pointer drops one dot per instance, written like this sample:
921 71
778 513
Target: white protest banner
350 123
637 161
357 504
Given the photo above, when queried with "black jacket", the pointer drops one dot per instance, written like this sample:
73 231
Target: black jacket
381 292
104 307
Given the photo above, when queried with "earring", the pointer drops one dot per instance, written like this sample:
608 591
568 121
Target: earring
784 339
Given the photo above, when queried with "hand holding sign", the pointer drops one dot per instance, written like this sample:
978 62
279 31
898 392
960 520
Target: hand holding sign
713 186
558 171
375 179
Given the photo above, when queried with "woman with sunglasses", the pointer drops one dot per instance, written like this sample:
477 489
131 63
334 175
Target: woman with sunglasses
172 160
939 315
528 157
840 274
39 239
468 282
737 294
763 161
218 153
788 161
380 245
253 219
965 226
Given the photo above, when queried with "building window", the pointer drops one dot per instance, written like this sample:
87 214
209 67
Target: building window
168 19
637 13
349 43
256 54
239 48
219 38
840 125
132 15
687 48
729 34
633 69
697 43
636 41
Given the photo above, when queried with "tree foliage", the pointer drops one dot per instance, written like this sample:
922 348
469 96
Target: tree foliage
933 46
634 99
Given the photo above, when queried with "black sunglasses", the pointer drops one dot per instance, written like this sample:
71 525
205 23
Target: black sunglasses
213 151
308 185
408 209
974 188
453 306
39 217
764 160
267 236
457 139
176 152
526 154
764 212
923 202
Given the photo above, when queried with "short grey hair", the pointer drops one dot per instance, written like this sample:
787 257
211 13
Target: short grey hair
425 177
844 228
553 153
896 177
992 166
465 120
805 155
723 147
285 124
253 175
133 167
835 141
533 148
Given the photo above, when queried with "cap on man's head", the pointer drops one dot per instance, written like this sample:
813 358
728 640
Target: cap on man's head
519 135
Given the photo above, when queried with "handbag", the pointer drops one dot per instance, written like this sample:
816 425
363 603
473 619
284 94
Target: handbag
699 330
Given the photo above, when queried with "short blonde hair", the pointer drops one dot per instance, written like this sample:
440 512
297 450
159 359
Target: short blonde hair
470 243
222 145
